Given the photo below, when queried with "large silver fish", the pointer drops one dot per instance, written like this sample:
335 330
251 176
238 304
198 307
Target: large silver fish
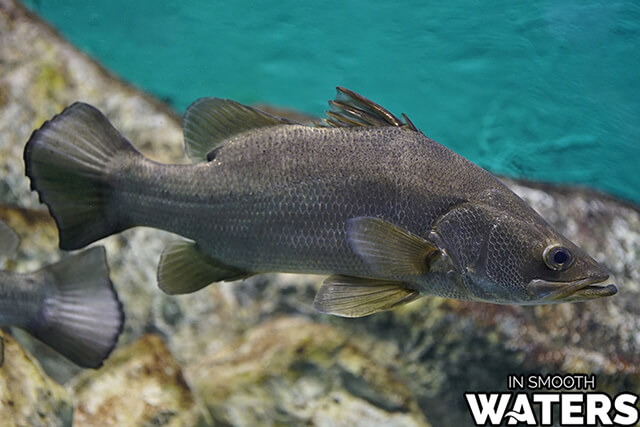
364 196
71 306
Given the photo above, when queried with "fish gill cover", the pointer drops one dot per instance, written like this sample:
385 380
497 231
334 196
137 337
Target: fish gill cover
544 90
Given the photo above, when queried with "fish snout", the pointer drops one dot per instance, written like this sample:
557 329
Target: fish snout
578 290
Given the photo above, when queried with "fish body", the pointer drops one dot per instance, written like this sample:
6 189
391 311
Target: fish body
366 198
71 305
265 213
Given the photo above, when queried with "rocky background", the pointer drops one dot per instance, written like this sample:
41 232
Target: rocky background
255 352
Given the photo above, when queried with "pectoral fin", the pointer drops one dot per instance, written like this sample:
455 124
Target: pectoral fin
389 250
183 269
356 297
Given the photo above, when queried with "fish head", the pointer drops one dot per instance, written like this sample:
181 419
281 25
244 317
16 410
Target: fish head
508 259
566 274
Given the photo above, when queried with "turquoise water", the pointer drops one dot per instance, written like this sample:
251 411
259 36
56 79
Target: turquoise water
546 90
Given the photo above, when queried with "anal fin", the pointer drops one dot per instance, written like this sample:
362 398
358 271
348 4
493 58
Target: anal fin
183 269
356 297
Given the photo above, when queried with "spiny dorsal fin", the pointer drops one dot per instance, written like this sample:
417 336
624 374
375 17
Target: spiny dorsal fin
350 109
209 122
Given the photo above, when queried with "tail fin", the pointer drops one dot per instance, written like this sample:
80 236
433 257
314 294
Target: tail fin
67 160
83 317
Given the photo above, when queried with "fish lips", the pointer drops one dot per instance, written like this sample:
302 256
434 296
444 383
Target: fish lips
577 290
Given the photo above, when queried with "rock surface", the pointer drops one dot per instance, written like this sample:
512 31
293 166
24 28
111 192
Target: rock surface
28 397
294 371
255 350
156 392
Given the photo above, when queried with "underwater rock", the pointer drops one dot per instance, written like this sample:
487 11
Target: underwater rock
294 371
40 74
411 365
28 397
140 384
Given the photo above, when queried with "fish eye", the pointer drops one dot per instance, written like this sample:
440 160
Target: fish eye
557 257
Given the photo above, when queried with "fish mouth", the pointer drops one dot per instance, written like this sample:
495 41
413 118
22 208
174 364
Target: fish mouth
578 290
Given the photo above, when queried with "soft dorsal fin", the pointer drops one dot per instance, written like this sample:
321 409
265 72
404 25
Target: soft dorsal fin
209 122
350 109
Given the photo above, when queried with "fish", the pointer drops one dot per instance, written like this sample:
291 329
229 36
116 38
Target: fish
362 196
71 306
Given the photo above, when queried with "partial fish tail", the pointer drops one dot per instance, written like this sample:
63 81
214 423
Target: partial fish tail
82 318
9 239
68 161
